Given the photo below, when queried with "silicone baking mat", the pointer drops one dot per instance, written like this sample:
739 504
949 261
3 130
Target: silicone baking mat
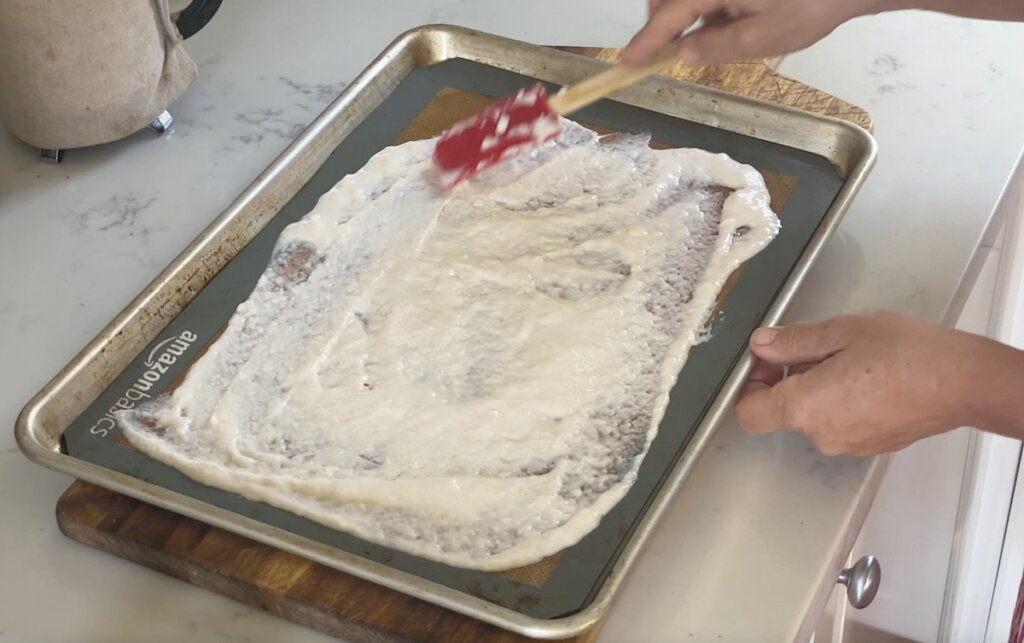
428 100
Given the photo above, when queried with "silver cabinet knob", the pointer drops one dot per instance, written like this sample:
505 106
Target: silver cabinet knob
862 581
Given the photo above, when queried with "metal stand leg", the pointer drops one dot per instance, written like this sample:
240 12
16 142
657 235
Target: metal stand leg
53 156
162 123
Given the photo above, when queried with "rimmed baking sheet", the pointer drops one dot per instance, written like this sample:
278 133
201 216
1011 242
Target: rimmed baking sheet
414 91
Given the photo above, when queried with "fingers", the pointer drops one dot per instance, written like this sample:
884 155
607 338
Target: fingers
668 19
717 17
727 40
771 374
796 369
763 408
801 343
766 373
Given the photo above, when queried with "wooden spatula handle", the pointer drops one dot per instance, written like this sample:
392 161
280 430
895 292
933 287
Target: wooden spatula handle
610 81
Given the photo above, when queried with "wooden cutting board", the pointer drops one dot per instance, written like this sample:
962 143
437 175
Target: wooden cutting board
311 594
755 79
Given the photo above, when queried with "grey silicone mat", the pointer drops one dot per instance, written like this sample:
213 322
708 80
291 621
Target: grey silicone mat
580 570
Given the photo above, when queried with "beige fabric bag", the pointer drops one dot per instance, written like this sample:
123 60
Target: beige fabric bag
83 72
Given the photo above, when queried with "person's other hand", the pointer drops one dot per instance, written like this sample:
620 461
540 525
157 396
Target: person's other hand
863 385
736 29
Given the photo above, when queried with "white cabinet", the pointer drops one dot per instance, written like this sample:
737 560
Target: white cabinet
912 524
1008 326
947 525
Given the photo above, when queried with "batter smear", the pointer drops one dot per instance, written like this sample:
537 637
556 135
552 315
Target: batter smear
470 376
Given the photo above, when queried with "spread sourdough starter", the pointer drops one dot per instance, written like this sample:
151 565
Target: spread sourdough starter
469 376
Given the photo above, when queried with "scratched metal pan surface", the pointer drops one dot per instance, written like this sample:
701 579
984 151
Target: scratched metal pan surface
68 425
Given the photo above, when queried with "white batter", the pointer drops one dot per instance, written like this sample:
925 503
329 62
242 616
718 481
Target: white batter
469 376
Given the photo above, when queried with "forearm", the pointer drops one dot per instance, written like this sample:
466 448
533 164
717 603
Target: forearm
749 29
996 383
1009 10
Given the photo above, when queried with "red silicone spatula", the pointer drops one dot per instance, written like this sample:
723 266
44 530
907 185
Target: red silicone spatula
528 119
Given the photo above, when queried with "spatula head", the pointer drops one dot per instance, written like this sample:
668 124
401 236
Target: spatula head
502 130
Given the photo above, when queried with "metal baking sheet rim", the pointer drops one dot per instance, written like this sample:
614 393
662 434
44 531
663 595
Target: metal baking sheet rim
39 426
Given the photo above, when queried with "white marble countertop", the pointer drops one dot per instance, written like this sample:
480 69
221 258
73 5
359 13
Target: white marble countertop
756 535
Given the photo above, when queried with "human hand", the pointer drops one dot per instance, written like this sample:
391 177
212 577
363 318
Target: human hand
737 29
863 385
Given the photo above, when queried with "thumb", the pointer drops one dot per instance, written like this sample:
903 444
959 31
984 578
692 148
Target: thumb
800 343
